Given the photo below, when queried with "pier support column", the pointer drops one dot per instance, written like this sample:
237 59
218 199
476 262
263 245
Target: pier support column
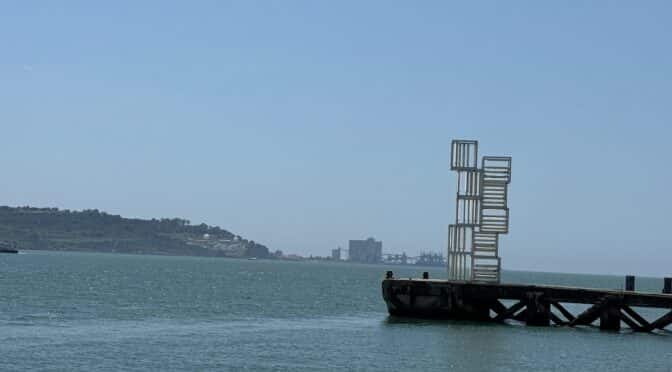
538 310
610 315
467 305
472 310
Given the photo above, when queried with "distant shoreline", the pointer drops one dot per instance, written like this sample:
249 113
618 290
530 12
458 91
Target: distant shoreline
53 229
342 262
268 259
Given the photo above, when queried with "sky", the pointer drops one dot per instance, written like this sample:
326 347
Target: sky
303 124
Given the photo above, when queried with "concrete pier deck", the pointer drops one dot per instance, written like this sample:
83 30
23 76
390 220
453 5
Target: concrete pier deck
538 305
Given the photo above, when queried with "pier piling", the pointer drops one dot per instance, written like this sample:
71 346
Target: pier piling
538 310
610 314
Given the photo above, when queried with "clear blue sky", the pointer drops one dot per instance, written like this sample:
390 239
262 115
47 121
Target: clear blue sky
304 124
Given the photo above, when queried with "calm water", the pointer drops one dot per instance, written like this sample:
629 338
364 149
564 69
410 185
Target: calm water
75 311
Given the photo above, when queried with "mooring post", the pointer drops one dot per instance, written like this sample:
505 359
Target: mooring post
629 282
425 275
667 285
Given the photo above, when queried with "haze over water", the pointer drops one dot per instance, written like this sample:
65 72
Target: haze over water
85 311
304 124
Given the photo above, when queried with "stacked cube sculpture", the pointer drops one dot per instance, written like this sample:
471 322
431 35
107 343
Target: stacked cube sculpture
482 213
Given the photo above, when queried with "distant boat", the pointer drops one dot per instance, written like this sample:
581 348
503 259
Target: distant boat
8 247
252 258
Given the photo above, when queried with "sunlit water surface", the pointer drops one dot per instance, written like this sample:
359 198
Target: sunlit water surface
85 311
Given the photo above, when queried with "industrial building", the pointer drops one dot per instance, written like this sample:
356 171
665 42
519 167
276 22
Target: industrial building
336 254
365 251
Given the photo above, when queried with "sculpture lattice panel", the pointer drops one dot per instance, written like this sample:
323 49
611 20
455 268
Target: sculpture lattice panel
481 213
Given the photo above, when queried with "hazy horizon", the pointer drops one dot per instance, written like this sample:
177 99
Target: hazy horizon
304 126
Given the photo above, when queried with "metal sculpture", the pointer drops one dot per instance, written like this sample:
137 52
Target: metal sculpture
482 213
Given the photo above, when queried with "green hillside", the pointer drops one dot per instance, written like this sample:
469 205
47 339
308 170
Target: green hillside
92 230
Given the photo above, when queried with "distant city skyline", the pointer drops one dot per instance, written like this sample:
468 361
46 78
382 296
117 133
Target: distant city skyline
305 125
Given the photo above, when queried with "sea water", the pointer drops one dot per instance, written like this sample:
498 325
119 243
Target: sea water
86 311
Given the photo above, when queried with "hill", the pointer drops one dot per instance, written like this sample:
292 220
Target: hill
92 230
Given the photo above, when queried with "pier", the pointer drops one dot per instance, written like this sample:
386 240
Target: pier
535 305
473 290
